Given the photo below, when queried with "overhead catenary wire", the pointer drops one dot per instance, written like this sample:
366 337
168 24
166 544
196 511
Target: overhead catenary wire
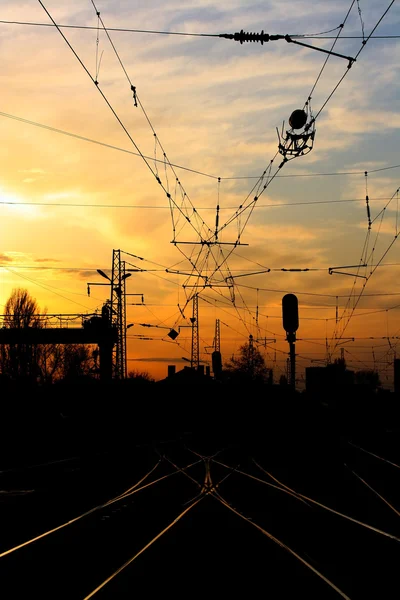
340 29
190 170
119 120
250 204
186 33
242 208
364 42
364 258
192 213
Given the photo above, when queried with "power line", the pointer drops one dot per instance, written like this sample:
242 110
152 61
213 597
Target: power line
364 42
46 287
185 33
207 231
172 202
163 269
149 207
108 103
195 171
122 29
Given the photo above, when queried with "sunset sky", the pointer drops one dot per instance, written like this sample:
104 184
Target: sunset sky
89 166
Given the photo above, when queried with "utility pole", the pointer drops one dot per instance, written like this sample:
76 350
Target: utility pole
118 313
117 310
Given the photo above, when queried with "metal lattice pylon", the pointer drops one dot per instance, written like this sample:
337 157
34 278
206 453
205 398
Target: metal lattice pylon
195 333
118 314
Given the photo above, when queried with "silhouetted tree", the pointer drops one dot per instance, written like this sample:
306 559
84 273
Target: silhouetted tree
41 363
77 361
140 376
249 366
20 361
49 362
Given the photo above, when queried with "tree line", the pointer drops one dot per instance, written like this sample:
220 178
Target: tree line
40 363
50 363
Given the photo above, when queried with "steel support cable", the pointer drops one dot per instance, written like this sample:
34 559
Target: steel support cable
383 255
364 42
151 126
201 263
224 280
281 544
244 207
351 295
340 29
371 255
138 154
373 270
157 537
91 511
45 287
223 264
232 302
320 110
49 287
320 35
356 360
109 105
215 270
271 178
363 259
239 316
197 172
189 259
368 312
343 515
216 290
343 318
251 206
374 491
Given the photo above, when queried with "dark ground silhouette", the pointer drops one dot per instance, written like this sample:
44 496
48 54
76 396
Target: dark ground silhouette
67 449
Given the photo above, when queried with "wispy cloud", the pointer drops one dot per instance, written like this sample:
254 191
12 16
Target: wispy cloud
212 105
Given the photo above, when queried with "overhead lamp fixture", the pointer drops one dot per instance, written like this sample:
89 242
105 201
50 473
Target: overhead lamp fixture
100 272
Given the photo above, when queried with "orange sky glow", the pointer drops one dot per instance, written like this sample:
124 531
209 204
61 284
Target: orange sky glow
154 143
